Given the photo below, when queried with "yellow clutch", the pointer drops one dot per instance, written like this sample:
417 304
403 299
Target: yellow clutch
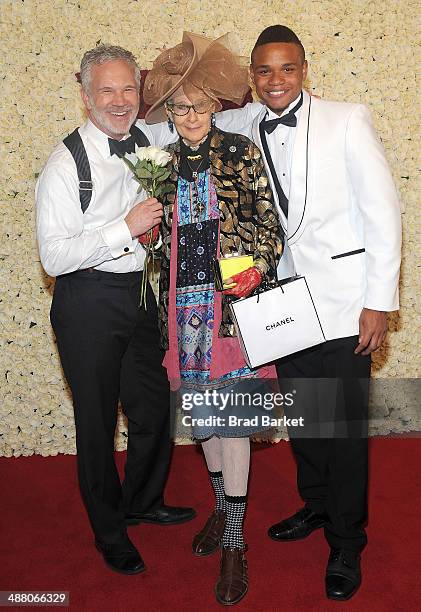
228 266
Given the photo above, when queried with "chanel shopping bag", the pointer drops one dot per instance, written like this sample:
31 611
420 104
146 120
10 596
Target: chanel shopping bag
277 322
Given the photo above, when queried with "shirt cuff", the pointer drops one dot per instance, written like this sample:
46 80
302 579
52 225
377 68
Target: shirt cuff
118 238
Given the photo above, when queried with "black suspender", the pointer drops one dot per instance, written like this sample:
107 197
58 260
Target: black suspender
139 137
76 147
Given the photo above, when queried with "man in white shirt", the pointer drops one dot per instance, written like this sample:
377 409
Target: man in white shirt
340 212
109 347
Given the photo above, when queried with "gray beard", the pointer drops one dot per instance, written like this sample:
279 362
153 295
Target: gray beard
102 122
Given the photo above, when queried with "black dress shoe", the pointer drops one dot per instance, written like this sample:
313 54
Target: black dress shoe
297 526
343 574
164 515
124 560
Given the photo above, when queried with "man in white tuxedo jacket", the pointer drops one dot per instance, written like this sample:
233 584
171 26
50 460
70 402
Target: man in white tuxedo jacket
340 213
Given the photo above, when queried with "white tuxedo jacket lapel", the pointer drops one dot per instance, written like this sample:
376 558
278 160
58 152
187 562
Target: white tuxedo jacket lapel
286 267
257 140
300 172
301 159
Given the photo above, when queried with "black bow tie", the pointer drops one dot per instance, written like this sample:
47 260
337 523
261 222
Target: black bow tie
289 119
121 147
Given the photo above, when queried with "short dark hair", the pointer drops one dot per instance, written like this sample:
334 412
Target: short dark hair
278 34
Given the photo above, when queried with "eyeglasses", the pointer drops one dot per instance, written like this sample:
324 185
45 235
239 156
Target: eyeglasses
202 107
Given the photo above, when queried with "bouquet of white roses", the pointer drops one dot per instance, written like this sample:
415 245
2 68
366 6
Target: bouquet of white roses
151 173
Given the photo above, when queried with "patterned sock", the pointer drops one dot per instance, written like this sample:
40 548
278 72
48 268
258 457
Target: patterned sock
217 481
233 534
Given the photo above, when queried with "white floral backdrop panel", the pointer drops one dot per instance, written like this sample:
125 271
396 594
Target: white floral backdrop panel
357 50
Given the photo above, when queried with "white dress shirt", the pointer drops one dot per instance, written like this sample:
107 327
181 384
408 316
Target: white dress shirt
281 146
70 240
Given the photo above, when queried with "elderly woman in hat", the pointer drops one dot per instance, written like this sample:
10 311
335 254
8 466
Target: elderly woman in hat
220 206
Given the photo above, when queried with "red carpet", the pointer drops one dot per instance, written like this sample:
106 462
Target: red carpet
46 543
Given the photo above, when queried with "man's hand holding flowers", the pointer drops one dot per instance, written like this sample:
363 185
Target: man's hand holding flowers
143 239
151 173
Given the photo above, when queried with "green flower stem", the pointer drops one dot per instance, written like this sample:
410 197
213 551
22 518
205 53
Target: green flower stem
149 249
149 176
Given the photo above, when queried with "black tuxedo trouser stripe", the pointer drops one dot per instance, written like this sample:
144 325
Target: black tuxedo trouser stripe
109 349
331 452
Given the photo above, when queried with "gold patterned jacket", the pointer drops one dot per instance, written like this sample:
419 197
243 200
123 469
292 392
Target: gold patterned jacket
248 218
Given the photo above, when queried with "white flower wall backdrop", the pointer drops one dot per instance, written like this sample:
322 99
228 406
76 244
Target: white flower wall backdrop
358 50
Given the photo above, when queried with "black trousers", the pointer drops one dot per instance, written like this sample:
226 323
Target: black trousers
109 349
330 387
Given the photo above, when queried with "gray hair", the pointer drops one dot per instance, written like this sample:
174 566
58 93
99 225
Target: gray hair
101 54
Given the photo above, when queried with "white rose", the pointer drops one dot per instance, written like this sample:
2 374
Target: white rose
153 154
143 152
162 158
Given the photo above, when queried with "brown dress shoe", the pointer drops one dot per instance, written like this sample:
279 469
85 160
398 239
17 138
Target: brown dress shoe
208 540
232 584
